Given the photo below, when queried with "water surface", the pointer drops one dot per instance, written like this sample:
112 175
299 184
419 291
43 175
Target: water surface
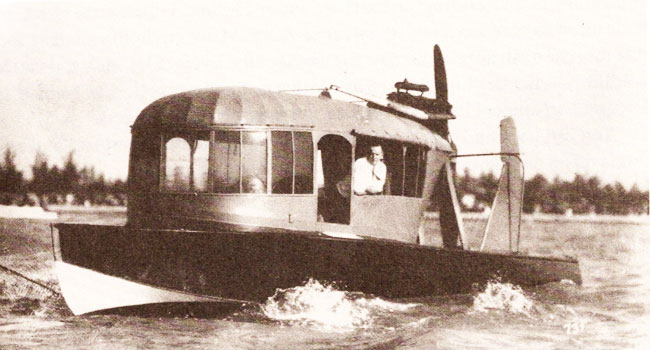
611 310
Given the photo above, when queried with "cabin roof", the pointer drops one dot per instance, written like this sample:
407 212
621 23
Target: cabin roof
239 106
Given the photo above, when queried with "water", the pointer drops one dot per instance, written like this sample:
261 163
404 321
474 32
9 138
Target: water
610 311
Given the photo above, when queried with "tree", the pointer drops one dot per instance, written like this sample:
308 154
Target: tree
594 195
11 180
40 175
488 185
576 195
535 193
54 183
639 200
620 204
557 199
70 175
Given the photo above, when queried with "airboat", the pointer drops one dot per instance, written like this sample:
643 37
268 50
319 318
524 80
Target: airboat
236 192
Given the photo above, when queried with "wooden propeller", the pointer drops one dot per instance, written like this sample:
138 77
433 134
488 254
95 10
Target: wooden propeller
439 74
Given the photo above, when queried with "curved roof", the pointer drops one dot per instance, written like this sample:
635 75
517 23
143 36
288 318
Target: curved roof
238 106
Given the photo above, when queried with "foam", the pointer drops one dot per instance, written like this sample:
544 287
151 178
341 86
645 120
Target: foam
505 297
325 308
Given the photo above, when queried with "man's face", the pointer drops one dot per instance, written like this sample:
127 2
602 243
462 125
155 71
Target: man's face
376 154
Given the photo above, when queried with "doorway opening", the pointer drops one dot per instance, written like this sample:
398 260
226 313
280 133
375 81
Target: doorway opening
334 172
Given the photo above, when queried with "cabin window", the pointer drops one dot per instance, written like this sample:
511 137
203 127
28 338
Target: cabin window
237 162
292 162
177 165
201 164
240 161
405 165
254 161
422 170
395 164
282 162
227 150
186 162
304 162
411 164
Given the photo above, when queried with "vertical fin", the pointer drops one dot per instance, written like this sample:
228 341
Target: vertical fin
505 217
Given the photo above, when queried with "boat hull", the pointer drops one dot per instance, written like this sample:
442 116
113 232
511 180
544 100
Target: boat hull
87 291
212 265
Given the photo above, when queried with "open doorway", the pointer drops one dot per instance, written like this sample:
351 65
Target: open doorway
335 158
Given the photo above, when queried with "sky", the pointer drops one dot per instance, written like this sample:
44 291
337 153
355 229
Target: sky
573 74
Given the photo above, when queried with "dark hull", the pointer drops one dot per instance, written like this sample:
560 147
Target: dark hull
250 266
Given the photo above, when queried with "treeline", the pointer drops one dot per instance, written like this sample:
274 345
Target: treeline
82 186
580 196
51 185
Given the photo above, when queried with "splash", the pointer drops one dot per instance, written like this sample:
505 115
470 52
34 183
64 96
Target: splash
327 309
513 300
503 296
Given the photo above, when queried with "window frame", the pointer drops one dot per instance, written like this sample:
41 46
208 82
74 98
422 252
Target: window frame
191 134
295 162
422 151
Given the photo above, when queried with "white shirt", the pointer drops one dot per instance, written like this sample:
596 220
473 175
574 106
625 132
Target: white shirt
368 178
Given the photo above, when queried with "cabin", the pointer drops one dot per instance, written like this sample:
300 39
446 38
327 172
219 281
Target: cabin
247 159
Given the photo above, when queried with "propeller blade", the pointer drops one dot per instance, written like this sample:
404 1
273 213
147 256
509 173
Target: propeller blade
439 74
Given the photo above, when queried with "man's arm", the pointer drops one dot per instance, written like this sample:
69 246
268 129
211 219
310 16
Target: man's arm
376 186
359 184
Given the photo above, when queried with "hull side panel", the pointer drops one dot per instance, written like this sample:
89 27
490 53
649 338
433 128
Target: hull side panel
250 266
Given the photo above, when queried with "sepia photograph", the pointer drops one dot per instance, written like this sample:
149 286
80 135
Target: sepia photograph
324 174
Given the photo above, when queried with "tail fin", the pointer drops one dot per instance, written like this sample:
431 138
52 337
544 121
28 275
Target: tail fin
505 217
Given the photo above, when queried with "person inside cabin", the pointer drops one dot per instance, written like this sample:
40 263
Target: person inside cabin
369 173
252 184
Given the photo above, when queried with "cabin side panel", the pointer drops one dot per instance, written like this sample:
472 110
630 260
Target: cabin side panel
284 176
174 210
389 217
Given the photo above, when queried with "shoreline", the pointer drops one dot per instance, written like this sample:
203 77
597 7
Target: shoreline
542 217
84 209
28 212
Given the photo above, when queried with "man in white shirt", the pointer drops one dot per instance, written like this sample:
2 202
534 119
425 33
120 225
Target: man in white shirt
369 173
